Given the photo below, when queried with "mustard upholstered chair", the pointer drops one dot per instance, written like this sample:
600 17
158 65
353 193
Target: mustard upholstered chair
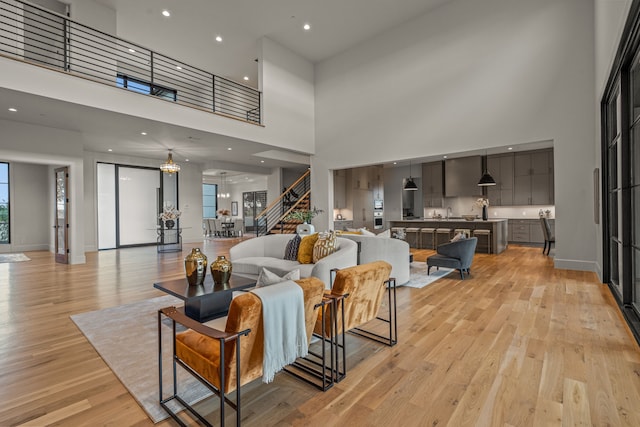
358 293
224 361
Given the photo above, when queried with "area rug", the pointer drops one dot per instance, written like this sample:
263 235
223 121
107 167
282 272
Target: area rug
4 258
420 279
126 337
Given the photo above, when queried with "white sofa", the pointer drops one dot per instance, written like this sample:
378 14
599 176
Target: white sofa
250 256
394 251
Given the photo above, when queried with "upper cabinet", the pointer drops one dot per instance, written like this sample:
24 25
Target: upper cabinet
500 166
533 178
339 189
433 184
461 176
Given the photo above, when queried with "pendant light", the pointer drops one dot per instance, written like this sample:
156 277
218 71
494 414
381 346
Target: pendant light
486 180
169 166
409 183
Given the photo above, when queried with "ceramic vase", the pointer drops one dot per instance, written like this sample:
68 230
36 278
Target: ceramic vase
221 270
195 266
305 229
169 224
485 214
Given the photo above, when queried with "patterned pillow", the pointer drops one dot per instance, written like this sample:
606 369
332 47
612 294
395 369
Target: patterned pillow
268 277
305 251
291 251
325 245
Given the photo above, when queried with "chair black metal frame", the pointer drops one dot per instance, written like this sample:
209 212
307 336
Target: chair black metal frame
548 237
177 316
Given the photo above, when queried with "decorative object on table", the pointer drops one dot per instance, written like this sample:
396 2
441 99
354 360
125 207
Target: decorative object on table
400 234
304 215
221 270
484 204
169 215
469 217
224 214
195 266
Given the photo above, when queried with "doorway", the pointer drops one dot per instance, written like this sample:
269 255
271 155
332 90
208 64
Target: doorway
253 203
61 224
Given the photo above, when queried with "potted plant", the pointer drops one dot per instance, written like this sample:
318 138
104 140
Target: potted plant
304 215
169 215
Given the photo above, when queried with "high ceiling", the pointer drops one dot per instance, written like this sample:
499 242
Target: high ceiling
189 35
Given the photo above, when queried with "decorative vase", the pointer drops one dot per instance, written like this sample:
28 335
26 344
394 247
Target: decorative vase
221 270
305 229
169 224
485 214
195 265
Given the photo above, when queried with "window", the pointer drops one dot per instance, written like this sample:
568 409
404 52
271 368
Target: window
209 200
146 88
4 203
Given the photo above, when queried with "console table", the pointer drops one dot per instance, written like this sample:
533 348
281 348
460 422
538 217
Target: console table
169 239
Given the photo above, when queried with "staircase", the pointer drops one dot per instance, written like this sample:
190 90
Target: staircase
297 196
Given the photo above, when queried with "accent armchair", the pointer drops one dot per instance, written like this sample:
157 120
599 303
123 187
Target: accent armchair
457 255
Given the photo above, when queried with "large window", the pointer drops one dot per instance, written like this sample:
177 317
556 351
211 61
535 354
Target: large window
209 200
4 203
144 87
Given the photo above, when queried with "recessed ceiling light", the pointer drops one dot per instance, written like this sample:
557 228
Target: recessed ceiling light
510 148
178 67
219 39
110 149
261 161
306 27
132 50
143 133
229 149
13 110
166 13
246 78
444 157
395 163
186 160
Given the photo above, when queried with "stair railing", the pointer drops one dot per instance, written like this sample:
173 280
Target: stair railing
292 198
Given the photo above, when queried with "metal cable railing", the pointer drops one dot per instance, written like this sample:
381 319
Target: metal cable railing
297 196
33 34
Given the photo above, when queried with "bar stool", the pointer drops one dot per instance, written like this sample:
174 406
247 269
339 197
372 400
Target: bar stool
465 231
484 236
413 236
443 235
397 230
427 238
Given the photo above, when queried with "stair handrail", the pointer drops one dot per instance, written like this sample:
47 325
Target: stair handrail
278 201
275 213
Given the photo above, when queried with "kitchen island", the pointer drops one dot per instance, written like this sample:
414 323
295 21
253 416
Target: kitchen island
498 227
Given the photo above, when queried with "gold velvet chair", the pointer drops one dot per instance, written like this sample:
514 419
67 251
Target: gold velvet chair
224 361
357 293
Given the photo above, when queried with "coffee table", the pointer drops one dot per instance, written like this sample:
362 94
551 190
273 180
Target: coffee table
207 301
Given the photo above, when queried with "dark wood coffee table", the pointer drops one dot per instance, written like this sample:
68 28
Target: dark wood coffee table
207 301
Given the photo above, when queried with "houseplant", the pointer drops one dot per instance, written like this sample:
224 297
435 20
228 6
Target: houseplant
484 204
304 215
169 215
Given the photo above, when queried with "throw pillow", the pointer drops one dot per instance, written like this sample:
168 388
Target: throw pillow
291 250
325 245
305 251
268 277
366 232
386 233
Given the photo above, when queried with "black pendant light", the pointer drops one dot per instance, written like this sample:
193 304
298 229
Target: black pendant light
409 183
486 179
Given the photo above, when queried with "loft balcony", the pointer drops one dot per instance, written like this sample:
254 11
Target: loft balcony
34 35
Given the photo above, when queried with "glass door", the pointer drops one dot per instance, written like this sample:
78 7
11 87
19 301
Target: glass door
253 203
61 224
634 189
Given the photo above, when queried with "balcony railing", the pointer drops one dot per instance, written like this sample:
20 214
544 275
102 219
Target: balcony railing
33 34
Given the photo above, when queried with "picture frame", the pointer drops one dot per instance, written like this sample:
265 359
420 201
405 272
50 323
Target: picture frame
234 208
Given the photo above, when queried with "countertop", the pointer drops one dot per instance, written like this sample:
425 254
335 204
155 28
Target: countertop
449 220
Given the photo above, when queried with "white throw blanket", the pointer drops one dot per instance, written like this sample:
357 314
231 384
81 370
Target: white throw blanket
285 334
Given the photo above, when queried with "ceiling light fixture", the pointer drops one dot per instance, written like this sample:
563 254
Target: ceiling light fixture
166 13
132 50
169 166
219 39
178 67
13 110
229 149
223 181
486 180
246 78
143 133
409 183
306 27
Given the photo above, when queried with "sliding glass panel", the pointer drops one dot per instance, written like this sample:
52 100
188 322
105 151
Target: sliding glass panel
106 183
137 205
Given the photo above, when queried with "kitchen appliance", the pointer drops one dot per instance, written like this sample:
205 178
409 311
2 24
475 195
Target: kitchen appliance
378 219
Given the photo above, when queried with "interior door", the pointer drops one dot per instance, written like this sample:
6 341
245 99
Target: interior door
62 216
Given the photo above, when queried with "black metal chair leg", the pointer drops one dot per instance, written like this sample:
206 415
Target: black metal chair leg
462 273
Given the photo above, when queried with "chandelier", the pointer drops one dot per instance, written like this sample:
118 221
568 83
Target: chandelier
221 192
169 166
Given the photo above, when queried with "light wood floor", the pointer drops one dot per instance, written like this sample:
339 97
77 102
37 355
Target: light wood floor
517 344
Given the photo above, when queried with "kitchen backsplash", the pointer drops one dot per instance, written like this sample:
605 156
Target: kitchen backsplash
465 206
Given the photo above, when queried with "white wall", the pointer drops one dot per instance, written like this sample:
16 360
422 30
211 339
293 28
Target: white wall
472 75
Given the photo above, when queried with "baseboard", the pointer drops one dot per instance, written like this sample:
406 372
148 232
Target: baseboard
23 248
574 264
598 271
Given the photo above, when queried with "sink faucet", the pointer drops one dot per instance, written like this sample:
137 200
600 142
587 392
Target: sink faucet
449 210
